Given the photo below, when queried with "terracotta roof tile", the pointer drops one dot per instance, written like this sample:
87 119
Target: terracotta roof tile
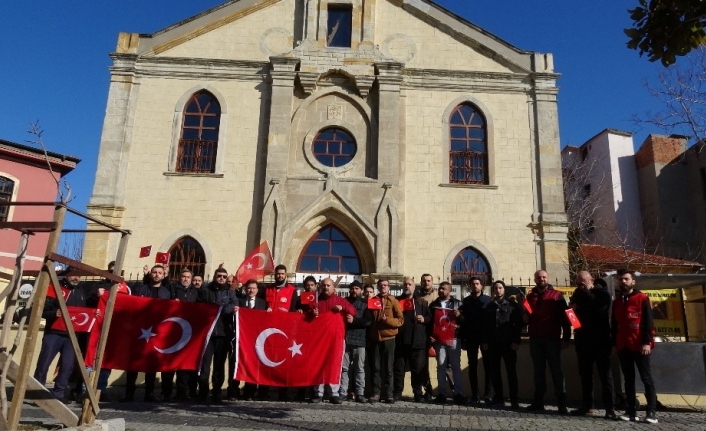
618 255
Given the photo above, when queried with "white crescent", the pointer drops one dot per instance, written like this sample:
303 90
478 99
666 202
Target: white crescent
262 256
260 346
185 336
85 319
443 318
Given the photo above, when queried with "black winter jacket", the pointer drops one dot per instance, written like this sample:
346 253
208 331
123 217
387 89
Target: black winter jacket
357 330
80 296
413 333
502 323
227 299
473 310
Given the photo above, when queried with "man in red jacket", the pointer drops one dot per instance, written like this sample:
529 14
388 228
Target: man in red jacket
633 341
281 296
549 333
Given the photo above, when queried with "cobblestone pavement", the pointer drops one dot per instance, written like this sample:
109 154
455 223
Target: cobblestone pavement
351 416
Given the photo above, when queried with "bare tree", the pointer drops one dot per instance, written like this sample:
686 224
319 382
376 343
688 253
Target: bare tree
61 185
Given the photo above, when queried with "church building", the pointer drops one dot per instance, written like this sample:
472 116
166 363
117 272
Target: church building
358 137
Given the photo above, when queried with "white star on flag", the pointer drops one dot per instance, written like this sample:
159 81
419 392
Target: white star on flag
249 266
296 349
73 318
147 334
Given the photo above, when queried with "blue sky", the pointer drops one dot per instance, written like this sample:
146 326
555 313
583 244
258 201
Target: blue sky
54 64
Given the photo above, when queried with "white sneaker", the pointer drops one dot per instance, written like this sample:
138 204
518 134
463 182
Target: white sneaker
651 418
628 418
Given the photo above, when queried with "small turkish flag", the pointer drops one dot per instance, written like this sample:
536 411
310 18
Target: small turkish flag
145 251
257 265
573 319
162 258
308 298
407 304
64 292
82 319
444 326
287 349
151 335
528 307
375 303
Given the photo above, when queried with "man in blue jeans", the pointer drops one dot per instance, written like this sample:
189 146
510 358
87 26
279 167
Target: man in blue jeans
549 333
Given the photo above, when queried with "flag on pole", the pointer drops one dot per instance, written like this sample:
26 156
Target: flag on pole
257 265
145 251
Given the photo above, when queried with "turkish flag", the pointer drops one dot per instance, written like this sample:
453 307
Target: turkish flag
375 303
444 326
150 335
162 258
573 319
64 291
287 349
257 265
527 305
307 298
145 251
82 319
407 304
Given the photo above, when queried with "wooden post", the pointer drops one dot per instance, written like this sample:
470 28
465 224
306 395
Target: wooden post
27 358
88 415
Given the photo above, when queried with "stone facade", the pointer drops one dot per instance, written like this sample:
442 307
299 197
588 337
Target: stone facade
409 65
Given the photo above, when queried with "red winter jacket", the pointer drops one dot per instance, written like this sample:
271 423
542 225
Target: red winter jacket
548 319
632 321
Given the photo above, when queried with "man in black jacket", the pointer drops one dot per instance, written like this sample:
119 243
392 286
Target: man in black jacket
354 357
502 325
157 288
56 341
252 301
591 303
473 309
411 341
217 292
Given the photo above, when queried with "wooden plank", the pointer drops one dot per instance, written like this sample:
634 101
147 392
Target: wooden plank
85 268
27 359
87 416
40 395
29 225
72 335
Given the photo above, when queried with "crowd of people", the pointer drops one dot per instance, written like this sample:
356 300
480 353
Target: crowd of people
383 343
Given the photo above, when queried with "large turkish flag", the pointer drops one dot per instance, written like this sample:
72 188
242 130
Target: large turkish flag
287 349
257 265
150 335
82 319
444 326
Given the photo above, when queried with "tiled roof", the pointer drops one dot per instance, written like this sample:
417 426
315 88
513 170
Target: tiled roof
622 256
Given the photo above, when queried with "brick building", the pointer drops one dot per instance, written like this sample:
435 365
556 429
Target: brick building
360 137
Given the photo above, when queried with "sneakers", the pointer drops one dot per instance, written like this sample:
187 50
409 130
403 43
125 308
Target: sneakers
582 411
361 399
628 418
534 407
374 399
651 418
316 400
610 415
335 400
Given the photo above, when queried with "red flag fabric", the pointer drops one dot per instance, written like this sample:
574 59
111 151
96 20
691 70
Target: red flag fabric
52 294
527 305
444 326
307 298
573 319
407 304
145 251
82 319
162 258
287 349
150 335
375 303
257 265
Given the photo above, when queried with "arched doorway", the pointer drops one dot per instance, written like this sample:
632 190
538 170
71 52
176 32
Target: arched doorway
186 253
468 263
330 251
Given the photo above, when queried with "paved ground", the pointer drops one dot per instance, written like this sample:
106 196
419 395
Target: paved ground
351 416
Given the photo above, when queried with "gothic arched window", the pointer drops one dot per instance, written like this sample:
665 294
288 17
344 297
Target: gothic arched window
330 251
186 253
468 263
198 144
468 150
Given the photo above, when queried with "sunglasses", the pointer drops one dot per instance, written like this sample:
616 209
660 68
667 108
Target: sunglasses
221 276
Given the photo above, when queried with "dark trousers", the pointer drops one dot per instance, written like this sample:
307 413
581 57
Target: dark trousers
473 346
130 383
382 366
51 345
233 385
587 355
547 351
407 357
216 351
495 353
167 383
628 361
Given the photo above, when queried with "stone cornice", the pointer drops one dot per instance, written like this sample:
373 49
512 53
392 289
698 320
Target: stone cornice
181 67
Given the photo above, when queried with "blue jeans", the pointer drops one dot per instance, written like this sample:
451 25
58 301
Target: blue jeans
448 354
353 364
547 351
